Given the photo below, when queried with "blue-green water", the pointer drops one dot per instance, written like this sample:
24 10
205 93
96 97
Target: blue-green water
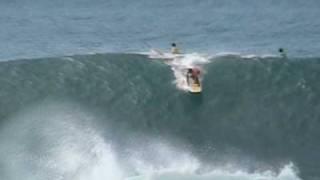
122 116
80 98
48 28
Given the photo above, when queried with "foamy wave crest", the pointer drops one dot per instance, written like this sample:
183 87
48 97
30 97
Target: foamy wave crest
59 141
287 173
56 141
179 64
162 161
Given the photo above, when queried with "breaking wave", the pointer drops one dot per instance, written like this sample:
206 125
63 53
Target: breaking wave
123 116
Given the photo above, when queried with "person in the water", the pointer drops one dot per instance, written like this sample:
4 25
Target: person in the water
282 52
193 73
174 49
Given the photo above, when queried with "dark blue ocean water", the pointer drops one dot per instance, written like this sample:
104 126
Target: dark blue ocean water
48 28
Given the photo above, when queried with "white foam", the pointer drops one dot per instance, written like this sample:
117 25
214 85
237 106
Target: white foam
57 141
163 161
179 64
183 165
225 53
158 157
60 142
287 173
251 56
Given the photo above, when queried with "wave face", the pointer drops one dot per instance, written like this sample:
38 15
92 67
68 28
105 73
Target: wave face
122 116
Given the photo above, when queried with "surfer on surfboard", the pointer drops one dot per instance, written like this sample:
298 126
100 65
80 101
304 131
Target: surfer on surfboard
193 80
193 74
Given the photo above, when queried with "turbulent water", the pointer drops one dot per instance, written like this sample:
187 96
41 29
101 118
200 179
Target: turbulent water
82 98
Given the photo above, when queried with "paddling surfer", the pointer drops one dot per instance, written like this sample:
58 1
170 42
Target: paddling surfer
174 49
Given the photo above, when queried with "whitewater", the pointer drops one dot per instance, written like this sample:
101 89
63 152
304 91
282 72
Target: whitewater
65 145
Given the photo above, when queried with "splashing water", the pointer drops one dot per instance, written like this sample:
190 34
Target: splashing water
56 141
179 64
59 142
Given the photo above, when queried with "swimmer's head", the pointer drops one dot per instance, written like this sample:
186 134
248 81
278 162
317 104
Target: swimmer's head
280 50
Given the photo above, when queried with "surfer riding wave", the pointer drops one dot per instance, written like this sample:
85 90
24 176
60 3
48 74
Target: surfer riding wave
187 68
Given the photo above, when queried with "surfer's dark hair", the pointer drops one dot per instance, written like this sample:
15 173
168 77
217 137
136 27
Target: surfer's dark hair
173 44
280 50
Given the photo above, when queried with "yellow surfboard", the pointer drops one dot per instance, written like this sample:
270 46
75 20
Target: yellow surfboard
195 88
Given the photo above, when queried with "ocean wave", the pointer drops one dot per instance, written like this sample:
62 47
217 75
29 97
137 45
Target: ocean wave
60 140
263 109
